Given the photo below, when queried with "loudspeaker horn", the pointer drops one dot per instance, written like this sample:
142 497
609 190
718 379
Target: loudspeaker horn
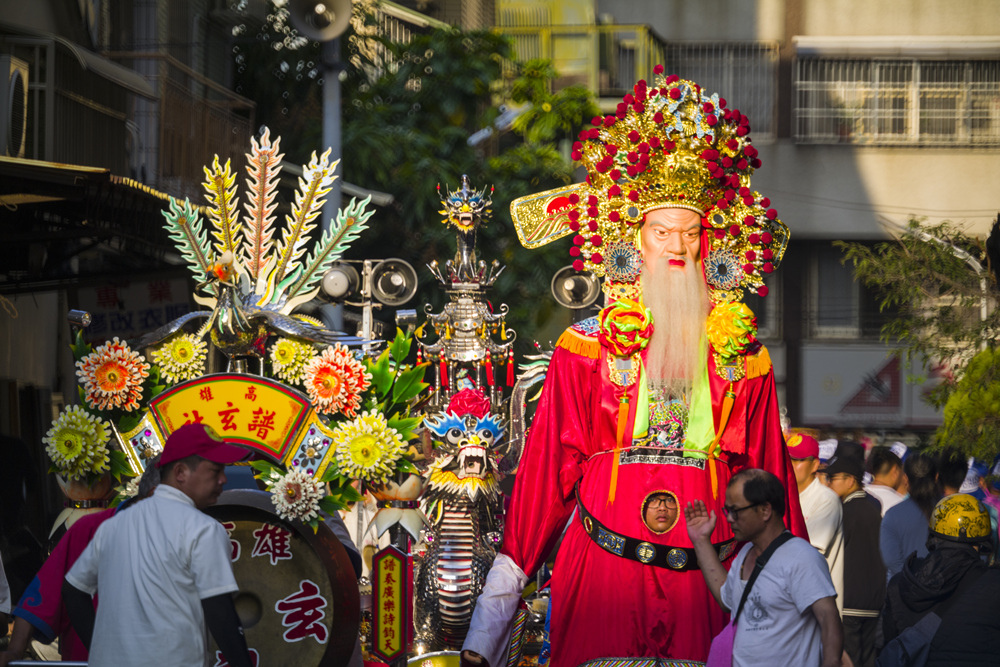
340 281
573 289
321 20
394 281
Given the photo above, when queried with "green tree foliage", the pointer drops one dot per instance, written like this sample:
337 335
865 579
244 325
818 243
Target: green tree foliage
926 278
551 116
972 413
407 129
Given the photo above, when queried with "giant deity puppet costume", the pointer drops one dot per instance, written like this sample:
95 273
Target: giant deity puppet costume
622 421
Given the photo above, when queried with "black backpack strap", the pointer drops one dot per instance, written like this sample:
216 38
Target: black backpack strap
758 566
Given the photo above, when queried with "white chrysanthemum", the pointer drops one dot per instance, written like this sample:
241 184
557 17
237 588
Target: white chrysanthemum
77 443
132 487
367 447
181 358
296 496
289 359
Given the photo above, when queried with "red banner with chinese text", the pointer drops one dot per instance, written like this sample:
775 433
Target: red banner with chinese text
392 604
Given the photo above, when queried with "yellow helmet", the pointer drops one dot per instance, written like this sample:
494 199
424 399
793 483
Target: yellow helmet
962 518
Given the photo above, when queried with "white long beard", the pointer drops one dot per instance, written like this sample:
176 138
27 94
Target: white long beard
680 306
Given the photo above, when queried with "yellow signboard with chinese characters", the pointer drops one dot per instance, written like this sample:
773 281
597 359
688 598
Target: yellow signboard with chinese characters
253 411
392 606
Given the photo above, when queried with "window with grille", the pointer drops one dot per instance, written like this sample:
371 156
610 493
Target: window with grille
745 74
839 306
897 102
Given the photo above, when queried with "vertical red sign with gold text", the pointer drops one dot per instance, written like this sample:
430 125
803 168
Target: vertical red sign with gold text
392 604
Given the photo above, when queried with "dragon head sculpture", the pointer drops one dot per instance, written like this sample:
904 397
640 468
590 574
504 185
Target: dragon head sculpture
468 437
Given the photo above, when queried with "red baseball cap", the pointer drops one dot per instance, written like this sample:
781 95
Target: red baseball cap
199 440
802 446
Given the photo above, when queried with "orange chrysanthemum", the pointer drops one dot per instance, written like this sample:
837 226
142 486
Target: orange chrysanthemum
335 380
112 376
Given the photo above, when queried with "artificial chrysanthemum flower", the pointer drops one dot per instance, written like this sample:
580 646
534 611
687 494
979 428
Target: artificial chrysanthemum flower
289 359
335 380
367 448
296 496
77 443
731 328
181 358
112 376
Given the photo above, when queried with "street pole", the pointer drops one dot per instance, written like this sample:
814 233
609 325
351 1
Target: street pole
331 123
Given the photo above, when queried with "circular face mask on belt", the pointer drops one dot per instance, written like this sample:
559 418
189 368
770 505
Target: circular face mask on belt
660 511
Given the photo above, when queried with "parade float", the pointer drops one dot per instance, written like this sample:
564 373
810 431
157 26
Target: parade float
329 417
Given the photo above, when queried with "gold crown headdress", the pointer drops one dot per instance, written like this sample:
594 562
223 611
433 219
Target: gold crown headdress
669 146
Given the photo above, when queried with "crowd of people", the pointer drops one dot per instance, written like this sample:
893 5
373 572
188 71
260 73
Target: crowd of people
901 543
895 572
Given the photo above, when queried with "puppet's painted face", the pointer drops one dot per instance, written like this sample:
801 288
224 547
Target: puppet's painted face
671 238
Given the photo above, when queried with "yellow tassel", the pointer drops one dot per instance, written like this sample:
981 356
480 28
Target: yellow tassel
759 364
623 406
727 408
579 344
503 331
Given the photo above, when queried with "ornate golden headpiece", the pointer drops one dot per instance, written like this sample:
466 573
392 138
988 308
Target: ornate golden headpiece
670 146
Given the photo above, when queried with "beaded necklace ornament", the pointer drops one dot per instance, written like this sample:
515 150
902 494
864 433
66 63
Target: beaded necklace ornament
668 416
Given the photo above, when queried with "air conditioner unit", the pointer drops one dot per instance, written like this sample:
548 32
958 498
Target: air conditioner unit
13 106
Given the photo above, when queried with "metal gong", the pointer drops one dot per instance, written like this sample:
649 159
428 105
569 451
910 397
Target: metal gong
298 600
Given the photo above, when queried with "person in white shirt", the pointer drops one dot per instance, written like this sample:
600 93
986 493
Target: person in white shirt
888 483
821 508
790 615
162 569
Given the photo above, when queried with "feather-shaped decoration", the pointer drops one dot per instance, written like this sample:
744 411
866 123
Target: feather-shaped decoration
220 186
345 230
185 228
263 168
255 282
313 186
